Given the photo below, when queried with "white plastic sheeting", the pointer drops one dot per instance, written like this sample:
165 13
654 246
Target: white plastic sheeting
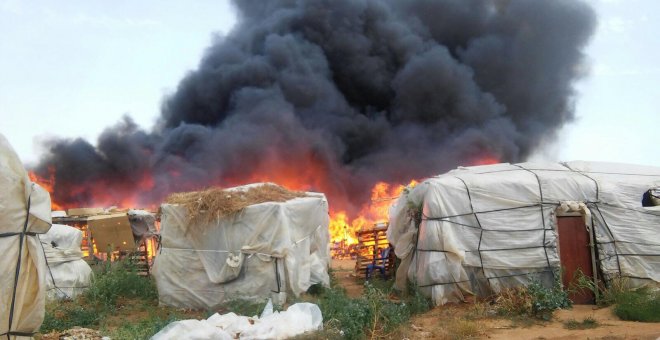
69 275
297 319
267 249
485 228
22 264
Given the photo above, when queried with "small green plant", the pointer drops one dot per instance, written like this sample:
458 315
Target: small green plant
546 300
534 300
586 323
639 305
417 302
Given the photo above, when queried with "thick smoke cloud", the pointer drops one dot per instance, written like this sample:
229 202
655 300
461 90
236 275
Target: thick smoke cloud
341 94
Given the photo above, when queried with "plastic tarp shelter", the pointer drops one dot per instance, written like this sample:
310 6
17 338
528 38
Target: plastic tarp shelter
24 214
486 228
265 250
68 274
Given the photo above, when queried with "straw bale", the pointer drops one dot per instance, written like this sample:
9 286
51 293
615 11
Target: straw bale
214 203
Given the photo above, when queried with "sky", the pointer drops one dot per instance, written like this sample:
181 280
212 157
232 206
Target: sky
73 68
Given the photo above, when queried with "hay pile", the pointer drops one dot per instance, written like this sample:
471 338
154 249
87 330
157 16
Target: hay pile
214 203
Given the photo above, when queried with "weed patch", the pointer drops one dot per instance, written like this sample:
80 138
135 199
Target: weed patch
243 307
120 280
534 300
638 305
68 314
587 323
374 314
459 329
143 329
113 283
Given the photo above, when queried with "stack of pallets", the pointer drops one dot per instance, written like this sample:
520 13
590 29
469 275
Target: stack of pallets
374 249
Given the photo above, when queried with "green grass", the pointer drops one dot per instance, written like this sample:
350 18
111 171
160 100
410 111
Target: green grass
142 329
587 323
642 304
373 314
112 286
68 314
638 305
120 280
244 307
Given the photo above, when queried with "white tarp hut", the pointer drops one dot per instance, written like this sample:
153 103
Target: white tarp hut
484 228
24 214
68 274
265 249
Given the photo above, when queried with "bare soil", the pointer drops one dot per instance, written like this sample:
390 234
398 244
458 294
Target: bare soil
458 321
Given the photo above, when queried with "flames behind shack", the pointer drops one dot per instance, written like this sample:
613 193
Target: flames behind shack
253 241
113 234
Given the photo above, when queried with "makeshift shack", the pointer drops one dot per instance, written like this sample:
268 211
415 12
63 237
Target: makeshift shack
68 274
479 230
250 242
25 214
131 233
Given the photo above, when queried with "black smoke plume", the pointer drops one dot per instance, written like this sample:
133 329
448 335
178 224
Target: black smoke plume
340 94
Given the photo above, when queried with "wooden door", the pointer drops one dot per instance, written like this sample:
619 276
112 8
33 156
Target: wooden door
574 254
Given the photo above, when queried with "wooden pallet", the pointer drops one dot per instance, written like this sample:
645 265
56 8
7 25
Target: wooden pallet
140 259
371 245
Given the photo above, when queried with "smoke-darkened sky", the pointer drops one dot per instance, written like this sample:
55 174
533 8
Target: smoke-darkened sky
367 88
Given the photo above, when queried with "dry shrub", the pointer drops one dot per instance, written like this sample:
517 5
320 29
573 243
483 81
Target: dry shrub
458 329
514 301
214 203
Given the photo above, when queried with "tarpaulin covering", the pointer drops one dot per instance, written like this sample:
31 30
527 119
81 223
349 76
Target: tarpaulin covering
266 249
68 274
486 228
24 213
299 318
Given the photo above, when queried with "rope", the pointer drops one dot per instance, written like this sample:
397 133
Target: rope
50 271
490 277
481 229
538 180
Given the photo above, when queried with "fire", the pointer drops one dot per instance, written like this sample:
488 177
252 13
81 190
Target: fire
347 216
485 160
343 229
48 184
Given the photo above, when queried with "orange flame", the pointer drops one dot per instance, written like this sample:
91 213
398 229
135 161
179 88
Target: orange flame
343 232
48 184
316 174
485 160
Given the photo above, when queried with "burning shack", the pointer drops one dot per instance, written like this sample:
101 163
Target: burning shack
113 234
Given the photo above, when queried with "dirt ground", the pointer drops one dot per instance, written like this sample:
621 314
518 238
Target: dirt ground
435 323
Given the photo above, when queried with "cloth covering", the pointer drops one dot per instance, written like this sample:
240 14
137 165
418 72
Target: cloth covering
69 275
142 224
486 228
268 248
21 250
